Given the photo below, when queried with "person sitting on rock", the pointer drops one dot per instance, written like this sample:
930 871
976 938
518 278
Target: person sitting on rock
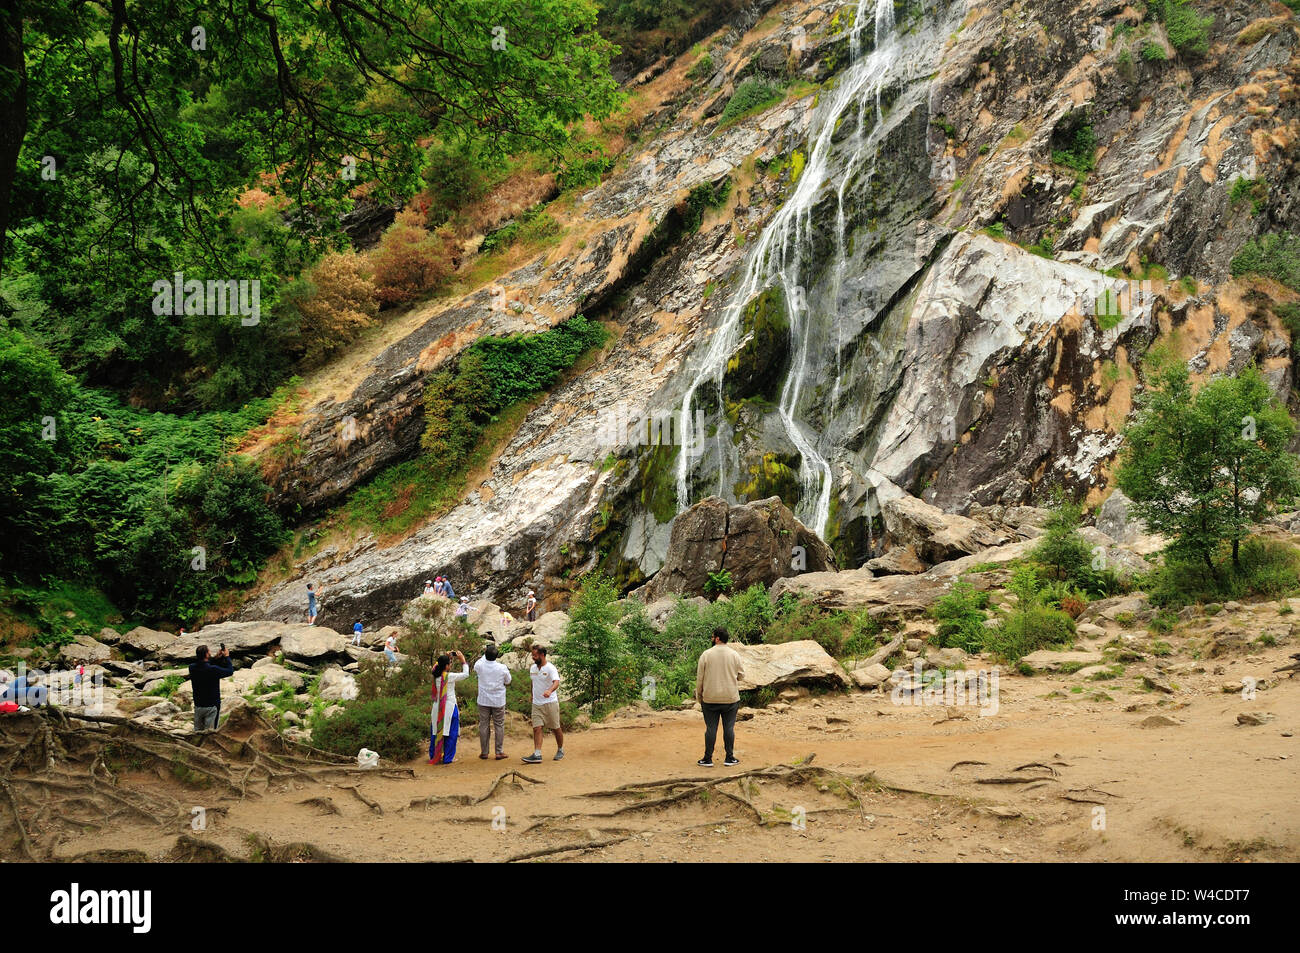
449 592
428 588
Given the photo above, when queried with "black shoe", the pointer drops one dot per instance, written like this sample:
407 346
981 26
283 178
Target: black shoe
705 762
731 762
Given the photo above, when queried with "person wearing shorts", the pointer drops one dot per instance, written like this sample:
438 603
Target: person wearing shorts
546 705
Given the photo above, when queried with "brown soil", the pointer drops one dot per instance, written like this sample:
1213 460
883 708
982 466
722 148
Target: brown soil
887 782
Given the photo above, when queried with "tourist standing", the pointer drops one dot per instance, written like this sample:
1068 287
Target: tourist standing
546 705
462 610
357 629
493 677
445 717
530 607
311 604
717 689
206 674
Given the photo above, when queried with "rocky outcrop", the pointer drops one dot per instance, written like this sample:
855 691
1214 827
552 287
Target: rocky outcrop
758 542
935 536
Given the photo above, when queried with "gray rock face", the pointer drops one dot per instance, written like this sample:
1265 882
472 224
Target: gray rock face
755 542
953 364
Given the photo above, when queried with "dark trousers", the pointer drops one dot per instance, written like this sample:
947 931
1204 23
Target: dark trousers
727 713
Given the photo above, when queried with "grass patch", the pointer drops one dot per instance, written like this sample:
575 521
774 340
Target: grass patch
751 97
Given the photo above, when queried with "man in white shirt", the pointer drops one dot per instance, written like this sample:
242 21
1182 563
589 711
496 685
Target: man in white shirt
546 705
390 648
493 677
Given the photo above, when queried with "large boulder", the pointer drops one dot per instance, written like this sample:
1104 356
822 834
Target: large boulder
336 685
546 631
1115 520
789 663
84 650
239 638
893 596
755 542
274 675
311 643
935 536
141 641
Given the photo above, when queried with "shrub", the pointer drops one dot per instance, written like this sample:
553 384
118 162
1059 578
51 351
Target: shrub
1272 256
491 375
718 582
1031 624
393 727
841 634
751 96
1065 555
1264 568
961 616
335 302
702 68
410 260
1027 631
592 652
1075 146
705 196
1188 31
749 614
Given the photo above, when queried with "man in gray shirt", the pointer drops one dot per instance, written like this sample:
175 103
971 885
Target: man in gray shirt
493 677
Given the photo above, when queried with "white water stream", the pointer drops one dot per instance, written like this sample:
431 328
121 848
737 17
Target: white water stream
777 261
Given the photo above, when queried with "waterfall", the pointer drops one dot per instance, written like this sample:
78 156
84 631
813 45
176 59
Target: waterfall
777 261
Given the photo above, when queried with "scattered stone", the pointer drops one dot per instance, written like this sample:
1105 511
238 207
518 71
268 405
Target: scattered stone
1158 684
870 676
1254 717
1158 721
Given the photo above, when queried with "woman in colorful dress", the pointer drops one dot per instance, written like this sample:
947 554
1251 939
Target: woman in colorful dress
444 726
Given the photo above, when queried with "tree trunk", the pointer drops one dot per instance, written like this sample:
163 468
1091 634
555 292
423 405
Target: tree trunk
13 108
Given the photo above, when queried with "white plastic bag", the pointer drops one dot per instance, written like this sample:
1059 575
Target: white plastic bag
367 758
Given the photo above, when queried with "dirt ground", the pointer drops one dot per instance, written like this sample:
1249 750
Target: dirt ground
1065 771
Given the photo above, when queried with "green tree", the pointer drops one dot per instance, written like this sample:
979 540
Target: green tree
592 648
1201 467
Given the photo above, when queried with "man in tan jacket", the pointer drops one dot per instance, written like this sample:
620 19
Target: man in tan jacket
717 689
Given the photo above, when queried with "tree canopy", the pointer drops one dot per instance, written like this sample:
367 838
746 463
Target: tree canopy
1202 466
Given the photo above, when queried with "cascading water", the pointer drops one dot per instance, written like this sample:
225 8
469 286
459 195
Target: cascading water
778 261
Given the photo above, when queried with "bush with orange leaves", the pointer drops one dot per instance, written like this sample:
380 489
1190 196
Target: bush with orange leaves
337 301
410 260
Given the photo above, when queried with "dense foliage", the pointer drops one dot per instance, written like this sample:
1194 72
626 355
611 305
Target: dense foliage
91 488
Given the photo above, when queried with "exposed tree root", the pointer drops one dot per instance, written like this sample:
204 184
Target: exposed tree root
464 800
62 773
